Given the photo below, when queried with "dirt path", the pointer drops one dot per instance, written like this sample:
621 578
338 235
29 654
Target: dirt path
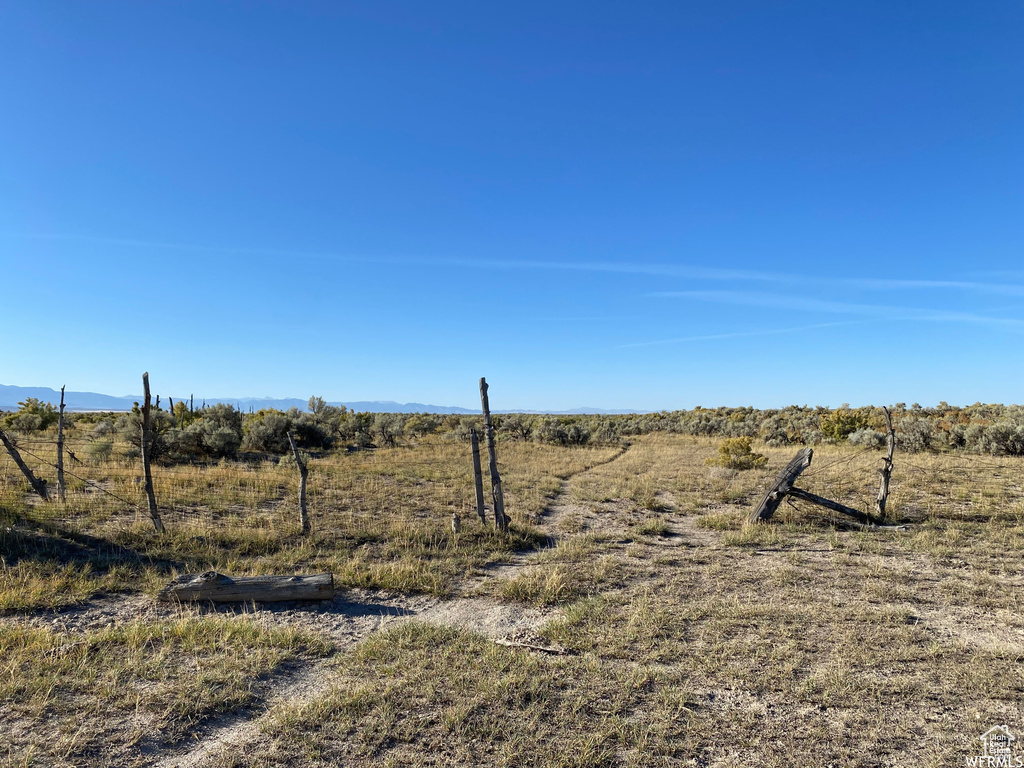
352 616
358 613
562 508
232 731
558 521
347 620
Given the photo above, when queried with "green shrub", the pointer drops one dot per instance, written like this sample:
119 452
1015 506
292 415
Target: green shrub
267 430
565 430
1002 439
33 416
128 429
869 438
421 424
387 427
518 425
915 435
736 453
841 423
99 451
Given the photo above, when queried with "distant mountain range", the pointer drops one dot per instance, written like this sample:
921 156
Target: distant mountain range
10 396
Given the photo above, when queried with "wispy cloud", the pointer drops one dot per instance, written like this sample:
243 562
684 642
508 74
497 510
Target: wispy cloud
624 267
1000 274
194 247
614 267
879 311
739 334
955 285
631 268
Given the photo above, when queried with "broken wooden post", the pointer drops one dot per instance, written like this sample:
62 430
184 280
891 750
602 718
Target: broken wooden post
61 489
781 486
500 518
886 471
147 442
835 506
218 588
478 480
303 474
38 485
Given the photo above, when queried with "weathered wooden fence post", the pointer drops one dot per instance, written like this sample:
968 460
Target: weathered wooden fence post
147 441
303 474
61 489
783 487
886 471
478 480
500 518
39 486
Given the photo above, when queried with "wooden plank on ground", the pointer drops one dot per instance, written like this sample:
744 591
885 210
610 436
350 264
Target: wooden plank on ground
218 588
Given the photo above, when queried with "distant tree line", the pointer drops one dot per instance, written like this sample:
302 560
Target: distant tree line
221 431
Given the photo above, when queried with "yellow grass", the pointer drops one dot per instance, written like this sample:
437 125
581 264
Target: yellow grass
693 638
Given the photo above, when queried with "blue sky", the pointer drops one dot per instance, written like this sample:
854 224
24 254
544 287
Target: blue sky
617 205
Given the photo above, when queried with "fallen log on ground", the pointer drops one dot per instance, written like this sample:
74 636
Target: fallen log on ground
218 588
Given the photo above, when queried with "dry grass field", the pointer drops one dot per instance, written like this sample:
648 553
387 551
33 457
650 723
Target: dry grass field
640 621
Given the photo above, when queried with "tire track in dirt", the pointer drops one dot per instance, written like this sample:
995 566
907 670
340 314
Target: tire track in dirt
556 512
493 619
550 519
353 622
231 731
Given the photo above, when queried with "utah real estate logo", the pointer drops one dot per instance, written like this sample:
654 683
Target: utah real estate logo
997 750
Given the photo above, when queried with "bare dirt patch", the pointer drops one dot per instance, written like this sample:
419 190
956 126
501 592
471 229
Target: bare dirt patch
353 616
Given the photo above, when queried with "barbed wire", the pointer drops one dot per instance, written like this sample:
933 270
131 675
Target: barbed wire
979 463
966 466
84 480
846 460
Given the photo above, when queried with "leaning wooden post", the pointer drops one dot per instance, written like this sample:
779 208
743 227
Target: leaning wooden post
781 487
478 480
500 518
886 471
61 490
39 486
303 474
147 440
